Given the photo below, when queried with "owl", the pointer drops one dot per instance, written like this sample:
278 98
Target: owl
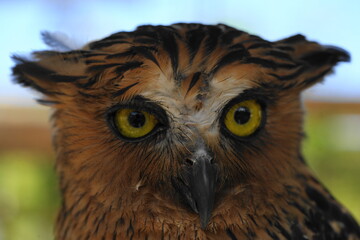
185 131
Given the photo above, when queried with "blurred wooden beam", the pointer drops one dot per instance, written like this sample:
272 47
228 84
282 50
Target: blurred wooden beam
25 138
315 107
25 129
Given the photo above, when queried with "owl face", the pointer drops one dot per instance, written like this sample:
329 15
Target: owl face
178 117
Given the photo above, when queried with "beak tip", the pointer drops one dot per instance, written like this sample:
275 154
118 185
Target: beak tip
197 184
204 220
203 225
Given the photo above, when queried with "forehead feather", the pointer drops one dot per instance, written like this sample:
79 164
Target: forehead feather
172 56
183 59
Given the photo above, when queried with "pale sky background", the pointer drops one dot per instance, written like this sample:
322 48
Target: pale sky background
330 22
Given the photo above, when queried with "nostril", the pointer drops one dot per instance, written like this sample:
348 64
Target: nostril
189 162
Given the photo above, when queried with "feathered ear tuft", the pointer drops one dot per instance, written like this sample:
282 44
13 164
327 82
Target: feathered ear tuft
316 60
33 75
327 55
53 74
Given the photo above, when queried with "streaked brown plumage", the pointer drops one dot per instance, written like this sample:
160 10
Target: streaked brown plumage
190 176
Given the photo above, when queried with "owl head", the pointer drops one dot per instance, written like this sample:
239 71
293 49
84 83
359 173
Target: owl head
177 120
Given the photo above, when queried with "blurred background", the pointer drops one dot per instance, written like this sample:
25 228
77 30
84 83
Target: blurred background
28 188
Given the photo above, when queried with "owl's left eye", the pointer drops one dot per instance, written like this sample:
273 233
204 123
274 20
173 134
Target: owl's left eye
243 118
133 123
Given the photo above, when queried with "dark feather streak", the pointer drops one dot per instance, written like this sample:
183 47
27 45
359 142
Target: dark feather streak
130 230
282 230
194 80
91 81
104 43
316 78
329 211
228 37
212 38
272 234
269 63
26 68
193 39
231 57
279 55
127 66
237 46
101 67
230 234
124 90
290 76
259 45
170 46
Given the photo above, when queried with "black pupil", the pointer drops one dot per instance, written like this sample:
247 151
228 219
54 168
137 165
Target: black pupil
242 115
136 119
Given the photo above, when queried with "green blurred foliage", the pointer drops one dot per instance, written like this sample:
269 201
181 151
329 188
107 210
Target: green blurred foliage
29 197
337 167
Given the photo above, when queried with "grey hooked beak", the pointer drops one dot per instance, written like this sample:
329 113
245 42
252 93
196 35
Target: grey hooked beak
197 185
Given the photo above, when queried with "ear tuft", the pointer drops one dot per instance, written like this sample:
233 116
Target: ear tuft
20 70
328 55
50 73
316 61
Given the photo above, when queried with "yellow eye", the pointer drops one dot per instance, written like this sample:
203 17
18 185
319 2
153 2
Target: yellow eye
133 123
243 118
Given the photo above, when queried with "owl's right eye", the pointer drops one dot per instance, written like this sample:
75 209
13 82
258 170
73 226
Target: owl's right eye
133 123
137 120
